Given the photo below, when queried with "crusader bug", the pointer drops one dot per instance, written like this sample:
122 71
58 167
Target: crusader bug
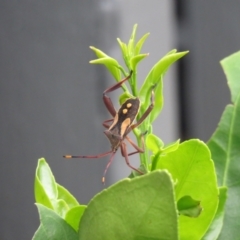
120 125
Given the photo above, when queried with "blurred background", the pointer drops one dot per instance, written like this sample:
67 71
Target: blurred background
51 97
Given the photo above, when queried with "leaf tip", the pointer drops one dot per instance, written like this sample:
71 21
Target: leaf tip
42 159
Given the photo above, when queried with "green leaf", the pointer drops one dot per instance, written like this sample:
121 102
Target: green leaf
171 147
131 41
158 101
123 46
40 234
60 207
140 43
45 188
111 64
73 216
193 170
140 208
124 96
49 193
155 161
124 50
231 68
217 223
189 207
99 53
41 195
136 59
155 78
64 194
224 145
53 227
171 52
154 143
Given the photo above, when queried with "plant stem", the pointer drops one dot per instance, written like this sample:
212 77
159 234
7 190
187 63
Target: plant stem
144 158
134 85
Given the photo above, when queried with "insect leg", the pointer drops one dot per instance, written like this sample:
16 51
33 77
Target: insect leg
107 121
144 116
139 149
125 155
107 100
108 165
91 156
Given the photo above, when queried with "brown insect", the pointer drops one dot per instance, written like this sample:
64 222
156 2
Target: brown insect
121 125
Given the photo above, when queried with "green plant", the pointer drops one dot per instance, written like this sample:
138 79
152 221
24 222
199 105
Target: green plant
179 197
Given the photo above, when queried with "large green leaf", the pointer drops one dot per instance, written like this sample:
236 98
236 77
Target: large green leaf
217 223
53 227
225 148
40 234
193 171
231 67
140 208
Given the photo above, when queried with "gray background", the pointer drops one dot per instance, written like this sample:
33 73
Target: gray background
50 96
210 30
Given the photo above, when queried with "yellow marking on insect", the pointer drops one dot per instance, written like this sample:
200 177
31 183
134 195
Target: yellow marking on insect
115 120
125 125
129 105
124 111
68 156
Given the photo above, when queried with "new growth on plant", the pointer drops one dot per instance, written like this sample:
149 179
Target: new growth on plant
132 56
178 196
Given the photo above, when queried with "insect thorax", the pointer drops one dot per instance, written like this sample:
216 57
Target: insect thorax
122 121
